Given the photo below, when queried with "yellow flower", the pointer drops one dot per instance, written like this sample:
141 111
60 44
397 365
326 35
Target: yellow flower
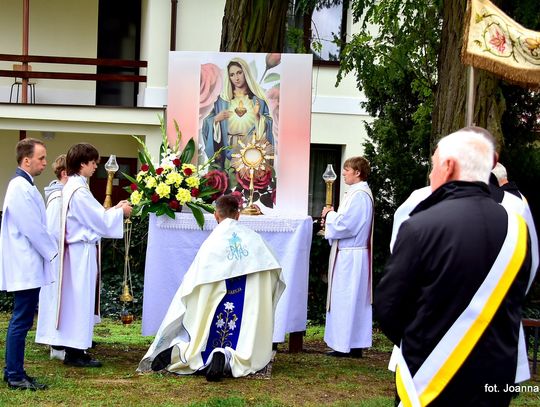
193 182
151 182
173 178
140 176
135 197
163 190
183 196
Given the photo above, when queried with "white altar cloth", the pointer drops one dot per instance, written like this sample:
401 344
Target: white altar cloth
173 244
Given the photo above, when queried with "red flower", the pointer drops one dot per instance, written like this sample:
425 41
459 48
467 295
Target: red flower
188 171
154 198
261 179
217 180
144 167
272 60
174 205
176 162
134 187
195 192
498 41
159 171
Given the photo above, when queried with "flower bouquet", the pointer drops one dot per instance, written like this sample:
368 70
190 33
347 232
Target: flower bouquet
165 187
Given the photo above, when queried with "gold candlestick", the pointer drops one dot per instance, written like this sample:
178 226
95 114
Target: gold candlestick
329 177
111 167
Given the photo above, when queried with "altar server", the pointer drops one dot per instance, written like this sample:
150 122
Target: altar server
349 231
53 202
26 252
453 289
221 319
84 222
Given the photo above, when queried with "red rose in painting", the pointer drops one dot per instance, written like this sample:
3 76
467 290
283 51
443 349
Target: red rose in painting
134 187
176 162
195 192
154 198
174 205
272 60
159 171
261 179
144 167
188 171
217 180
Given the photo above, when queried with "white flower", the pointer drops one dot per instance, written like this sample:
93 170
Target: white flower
220 323
232 325
229 306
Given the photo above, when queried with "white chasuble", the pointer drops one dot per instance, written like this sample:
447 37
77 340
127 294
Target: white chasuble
232 250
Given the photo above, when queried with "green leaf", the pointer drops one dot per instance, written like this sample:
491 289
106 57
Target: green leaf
189 151
197 213
130 178
271 78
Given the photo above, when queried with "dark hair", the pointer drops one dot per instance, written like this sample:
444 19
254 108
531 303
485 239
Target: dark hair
358 164
59 165
234 63
25 148
79 154
227 206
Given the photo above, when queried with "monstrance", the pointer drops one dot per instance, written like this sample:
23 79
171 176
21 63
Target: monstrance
252 157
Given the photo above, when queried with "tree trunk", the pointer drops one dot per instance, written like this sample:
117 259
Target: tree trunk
449 111
254 26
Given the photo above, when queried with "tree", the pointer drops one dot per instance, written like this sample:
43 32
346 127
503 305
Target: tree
254 26
394 58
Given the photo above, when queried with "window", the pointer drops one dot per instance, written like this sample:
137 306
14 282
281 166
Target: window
320 30
320 155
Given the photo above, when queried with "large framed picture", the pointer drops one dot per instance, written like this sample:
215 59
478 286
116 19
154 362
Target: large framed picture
242 104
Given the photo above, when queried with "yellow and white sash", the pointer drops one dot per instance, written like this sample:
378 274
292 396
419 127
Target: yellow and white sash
458 342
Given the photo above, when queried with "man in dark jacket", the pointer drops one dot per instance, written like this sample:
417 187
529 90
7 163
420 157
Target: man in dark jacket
453 289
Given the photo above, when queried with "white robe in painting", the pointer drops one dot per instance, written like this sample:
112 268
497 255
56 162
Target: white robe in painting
349 319
26 248
187 324
86 222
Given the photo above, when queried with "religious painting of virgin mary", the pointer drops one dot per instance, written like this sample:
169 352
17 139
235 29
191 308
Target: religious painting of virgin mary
245 109
225 100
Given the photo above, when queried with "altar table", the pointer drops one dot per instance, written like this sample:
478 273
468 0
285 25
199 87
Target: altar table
173 244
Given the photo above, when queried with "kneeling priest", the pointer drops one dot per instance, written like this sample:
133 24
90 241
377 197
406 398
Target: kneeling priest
220 321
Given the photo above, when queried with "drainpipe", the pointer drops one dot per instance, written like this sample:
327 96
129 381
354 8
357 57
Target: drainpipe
174 8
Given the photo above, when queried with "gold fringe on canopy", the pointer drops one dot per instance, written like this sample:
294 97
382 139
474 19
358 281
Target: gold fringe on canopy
496 43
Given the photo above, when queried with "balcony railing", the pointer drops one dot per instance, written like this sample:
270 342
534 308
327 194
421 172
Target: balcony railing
98 62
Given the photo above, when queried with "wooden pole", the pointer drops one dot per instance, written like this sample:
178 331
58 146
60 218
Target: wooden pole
26 22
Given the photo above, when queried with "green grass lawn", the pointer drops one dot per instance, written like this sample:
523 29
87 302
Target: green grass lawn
309 378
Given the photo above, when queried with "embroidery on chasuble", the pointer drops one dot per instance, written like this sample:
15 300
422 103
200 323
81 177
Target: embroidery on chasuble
227 319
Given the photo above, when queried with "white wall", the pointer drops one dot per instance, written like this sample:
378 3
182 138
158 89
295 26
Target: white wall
56 28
